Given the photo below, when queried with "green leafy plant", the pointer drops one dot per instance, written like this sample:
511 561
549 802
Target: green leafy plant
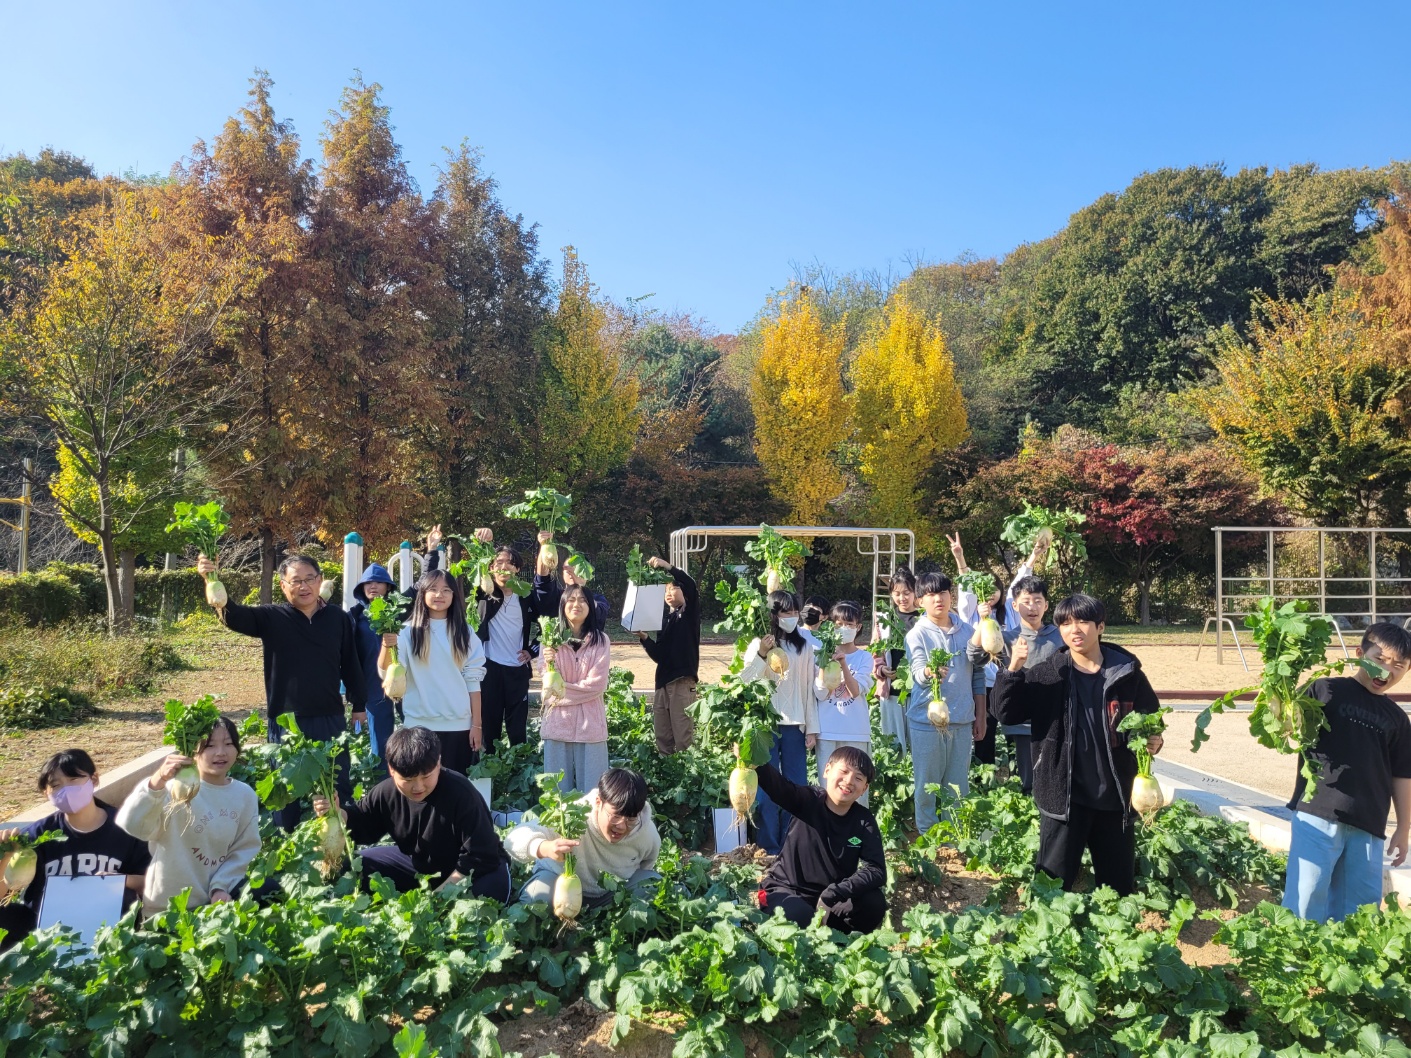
893 637
385 615
1293 644
552 633
1042 525
30 708
743 712
566 816
938 660
778 553
578 562
1139 728
640 573
185 727
202 526
829 640
981 585
301 767
551 512
746 616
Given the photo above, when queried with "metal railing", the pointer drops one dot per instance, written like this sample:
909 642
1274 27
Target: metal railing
1328 592
885 546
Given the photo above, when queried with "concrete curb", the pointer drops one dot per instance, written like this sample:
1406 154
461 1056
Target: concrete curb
1269 822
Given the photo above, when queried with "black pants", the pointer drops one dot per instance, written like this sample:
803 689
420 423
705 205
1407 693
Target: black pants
1111 840
504 703
396 866
860 914
984 749
456 753
323 728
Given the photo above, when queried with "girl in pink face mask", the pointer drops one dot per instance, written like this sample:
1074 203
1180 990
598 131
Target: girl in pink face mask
93 842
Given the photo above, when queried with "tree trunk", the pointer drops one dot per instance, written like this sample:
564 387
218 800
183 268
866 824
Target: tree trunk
266 566
127 584
111 582
1145 614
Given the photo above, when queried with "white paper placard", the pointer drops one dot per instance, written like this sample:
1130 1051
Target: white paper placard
644 607
83 903
485 787
729 832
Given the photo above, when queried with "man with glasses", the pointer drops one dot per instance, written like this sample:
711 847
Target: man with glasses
620 839
310 648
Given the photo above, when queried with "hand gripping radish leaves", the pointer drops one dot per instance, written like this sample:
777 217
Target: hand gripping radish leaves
566 816
640 573
982 586
301 767
1286 718
203 527
552 634
1042 527
1147 797
385 615
551 512
777 552
937 710
578 562
829 640
742 711
21 861
186 725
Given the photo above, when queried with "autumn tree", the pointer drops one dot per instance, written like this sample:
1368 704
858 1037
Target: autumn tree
1385 281
589 414
800 409
907 410
374 291
493 305
113 355
1315 404
254 186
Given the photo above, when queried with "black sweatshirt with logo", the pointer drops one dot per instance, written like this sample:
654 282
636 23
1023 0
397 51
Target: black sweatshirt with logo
825 854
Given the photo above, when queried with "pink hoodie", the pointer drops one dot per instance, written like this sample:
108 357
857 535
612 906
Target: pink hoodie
580 715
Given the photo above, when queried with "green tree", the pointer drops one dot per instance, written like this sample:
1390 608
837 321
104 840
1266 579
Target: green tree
1315 403
590 415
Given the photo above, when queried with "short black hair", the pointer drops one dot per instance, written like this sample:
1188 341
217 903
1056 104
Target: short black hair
413 751
70 763
1032 585
818 602
855 759
1079 607
230 729
902 578
846 610
295 559
623 790
1390 637
932 584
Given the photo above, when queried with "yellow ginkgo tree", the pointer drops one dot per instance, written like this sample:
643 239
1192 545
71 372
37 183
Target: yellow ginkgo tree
908 410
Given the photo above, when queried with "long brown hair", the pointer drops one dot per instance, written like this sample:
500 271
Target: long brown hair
456 624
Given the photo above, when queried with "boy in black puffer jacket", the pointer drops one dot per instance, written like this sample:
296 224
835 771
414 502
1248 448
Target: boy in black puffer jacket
1083 770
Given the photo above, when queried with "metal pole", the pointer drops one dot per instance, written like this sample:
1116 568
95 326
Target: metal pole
25 495
1269 551
1219 596
1372 573
1322 573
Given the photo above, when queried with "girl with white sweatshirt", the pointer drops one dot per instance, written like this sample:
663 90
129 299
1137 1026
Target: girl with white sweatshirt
204 845
796 702
445 664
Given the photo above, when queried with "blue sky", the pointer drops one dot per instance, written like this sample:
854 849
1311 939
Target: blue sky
697 151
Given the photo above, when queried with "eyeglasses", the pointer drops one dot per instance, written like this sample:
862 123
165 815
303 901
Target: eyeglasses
500 567
303 582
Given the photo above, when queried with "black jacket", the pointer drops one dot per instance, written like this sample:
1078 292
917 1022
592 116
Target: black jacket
824 853
305 658
677 647
1043 696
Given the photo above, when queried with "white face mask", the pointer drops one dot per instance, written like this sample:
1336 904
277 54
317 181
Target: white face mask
846 633
788 624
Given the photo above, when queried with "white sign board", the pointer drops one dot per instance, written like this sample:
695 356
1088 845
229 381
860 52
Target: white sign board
83 903
729 831
644 607
484 786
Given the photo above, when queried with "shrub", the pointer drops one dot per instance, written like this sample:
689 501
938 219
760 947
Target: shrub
91 662
27 708
39 599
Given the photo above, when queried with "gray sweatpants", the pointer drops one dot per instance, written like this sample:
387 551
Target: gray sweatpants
893 720
824 748
941 756
582 763
540 887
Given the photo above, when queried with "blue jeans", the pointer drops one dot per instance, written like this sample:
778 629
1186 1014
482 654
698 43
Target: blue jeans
790 756
1334 869
381 720
941 756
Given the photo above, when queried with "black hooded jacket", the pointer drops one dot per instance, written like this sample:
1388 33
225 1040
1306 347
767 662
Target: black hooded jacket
1044 696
